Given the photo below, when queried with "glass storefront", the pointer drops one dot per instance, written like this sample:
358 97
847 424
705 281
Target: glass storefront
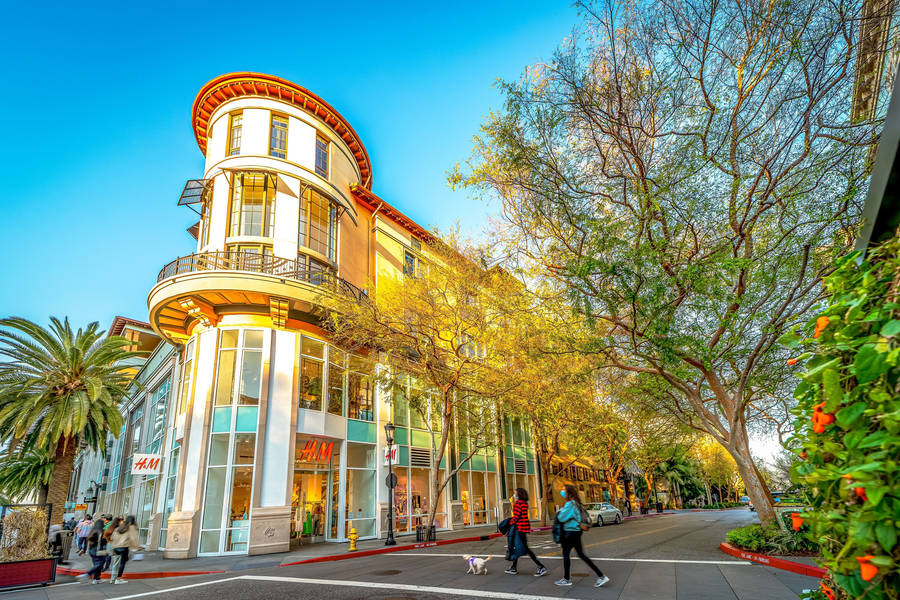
316 473
360 509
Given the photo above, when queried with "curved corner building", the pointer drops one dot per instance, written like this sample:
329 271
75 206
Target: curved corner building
276 436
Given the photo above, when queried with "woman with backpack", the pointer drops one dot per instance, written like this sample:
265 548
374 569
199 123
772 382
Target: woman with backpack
523 527
124 538
574 520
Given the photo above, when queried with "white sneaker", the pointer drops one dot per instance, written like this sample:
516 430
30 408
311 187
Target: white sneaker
563 582
601 581
95 581
119 581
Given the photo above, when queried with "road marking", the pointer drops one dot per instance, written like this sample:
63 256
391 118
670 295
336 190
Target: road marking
403 587
648 560
175 589
52 585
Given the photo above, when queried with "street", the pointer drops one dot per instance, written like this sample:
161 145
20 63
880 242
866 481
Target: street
666 557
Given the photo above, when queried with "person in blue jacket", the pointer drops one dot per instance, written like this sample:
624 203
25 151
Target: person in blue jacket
570 519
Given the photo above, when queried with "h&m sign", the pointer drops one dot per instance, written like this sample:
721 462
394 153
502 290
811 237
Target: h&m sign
146 464
316 451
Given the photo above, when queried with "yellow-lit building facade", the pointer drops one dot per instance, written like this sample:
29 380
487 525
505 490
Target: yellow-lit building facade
272 435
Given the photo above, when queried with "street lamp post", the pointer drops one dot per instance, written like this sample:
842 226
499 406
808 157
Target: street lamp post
391 482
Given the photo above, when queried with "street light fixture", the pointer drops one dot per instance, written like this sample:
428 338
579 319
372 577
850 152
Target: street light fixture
391 483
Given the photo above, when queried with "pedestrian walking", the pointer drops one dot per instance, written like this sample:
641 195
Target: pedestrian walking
111 525
96 549
574 520
124 538
520 527
82 529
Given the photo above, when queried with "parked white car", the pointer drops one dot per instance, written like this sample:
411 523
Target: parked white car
604 513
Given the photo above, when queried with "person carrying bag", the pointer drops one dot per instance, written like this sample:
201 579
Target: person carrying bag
574 520
123 539
520 527
96 549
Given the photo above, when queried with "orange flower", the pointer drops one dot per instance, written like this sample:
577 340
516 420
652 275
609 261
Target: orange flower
792 362
821 418
821 324
847 477
796 521
827 591
866 569
861 492
803 454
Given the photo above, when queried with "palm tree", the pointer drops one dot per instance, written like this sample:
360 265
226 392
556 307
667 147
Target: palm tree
22 473
60 389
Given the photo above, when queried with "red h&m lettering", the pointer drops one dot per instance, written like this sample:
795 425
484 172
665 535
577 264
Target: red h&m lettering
325 451
140 464
309 451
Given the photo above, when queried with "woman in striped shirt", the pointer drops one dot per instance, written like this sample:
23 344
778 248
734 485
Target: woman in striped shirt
523 527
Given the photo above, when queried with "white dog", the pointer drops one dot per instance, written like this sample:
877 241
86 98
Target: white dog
477 565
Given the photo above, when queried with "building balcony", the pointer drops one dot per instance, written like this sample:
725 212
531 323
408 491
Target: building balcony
201 288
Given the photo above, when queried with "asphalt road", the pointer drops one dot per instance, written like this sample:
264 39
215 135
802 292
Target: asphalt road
668 557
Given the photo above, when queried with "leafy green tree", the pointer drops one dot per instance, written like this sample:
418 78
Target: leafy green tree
60 388
687 171
26 472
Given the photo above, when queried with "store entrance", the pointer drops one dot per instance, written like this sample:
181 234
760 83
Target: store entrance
314 491
309 505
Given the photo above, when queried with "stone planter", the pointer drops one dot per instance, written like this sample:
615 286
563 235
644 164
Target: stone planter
27 572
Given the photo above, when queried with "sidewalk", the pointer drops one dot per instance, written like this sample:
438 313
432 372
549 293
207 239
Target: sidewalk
154 565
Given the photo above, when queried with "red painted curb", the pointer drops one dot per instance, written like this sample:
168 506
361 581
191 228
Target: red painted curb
388 549
137 574
771 561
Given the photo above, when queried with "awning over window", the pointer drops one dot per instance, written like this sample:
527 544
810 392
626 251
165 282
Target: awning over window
195 190
194 230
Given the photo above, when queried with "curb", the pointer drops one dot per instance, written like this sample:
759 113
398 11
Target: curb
655 514
716 509
771 561
138 574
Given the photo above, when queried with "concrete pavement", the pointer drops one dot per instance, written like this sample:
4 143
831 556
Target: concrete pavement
674 557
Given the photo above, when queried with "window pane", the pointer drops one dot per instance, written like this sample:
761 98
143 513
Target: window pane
400 407
218 449
253 339
361 456
225 378
244 448
247 418
359 391
360 494
335 390
209 541
278 139
321 157
240 497
313 347
221 419
250 377
310 383
214 498
229 338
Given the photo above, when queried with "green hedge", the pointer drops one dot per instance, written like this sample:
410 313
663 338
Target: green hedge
771 539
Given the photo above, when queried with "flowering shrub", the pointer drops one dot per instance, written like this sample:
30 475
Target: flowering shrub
847 432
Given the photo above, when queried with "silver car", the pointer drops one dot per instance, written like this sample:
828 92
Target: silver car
604 513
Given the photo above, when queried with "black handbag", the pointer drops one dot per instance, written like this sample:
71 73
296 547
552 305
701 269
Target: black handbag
503 526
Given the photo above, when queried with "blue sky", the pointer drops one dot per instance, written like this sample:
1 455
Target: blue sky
97 140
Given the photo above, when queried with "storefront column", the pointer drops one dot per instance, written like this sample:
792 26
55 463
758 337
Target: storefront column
183 529
270 519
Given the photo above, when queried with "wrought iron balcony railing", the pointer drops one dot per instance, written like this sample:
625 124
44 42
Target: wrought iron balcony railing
233 260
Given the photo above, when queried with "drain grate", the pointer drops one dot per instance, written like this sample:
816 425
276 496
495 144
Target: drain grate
387 572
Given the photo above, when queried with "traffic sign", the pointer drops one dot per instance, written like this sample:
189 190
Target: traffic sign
391 480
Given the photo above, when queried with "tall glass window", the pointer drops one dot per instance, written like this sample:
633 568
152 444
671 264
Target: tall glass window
234 133
312 355
361 389
318 224
278 137
336 369
169 490
225 525
204 224
187 374
252 204
158 406
321 156
360 510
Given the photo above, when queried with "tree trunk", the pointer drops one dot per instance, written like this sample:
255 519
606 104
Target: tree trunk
42 494
58 489
757 489
708 493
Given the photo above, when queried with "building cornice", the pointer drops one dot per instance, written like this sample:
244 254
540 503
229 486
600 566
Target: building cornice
234 85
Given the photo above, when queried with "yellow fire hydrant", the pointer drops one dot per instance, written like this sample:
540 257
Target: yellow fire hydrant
353 537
